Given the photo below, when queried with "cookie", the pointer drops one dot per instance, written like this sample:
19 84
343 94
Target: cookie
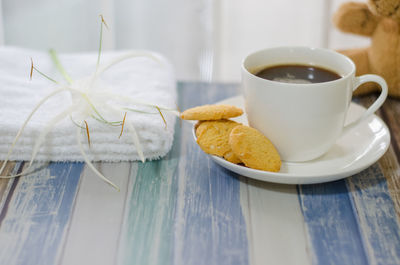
254 149
213 137
211 112
231 157
202 128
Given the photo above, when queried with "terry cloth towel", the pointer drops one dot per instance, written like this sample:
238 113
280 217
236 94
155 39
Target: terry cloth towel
141 78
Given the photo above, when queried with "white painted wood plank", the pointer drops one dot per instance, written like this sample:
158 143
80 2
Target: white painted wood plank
99 209
275 224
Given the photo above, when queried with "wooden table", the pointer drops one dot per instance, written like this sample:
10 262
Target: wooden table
185 209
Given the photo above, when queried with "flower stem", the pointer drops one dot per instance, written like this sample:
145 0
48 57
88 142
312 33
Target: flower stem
53 55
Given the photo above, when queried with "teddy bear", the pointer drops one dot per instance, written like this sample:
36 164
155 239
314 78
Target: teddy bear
380 20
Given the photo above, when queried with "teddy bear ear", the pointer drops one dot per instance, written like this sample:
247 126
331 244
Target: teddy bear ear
355 17
385 8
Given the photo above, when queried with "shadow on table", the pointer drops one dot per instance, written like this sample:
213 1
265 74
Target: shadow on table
368 179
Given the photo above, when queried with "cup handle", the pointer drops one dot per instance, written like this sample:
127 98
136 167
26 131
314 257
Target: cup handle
376 105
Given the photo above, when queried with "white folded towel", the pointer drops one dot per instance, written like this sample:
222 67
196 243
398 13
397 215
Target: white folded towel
140 78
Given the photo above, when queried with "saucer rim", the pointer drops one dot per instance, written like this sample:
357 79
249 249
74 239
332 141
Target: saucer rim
301 178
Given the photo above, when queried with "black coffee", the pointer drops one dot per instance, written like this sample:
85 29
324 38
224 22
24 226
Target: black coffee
298 74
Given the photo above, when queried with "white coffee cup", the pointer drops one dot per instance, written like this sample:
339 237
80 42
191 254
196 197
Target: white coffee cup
303 121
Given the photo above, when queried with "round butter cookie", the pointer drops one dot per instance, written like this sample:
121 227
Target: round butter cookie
202 128
211 112
213 136
254 149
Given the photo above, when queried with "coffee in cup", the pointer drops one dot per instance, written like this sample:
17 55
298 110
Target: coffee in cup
297 73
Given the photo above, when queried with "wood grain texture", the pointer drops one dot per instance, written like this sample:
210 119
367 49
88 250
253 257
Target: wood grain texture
274 222
391 115
97 216
331 224
9 169
35 224
147 229
185 209
367 210
376 216
391 170
210 227
149 233
6 186
389 163
376 195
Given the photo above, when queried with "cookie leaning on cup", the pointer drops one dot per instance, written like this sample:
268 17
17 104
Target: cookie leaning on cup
254 149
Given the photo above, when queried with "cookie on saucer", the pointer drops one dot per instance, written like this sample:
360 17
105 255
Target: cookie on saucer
213 138
211 112
231 157
254 149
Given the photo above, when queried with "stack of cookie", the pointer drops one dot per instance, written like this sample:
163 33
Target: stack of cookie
237 143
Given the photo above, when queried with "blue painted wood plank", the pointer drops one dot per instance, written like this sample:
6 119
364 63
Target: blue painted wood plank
151 229
36 221
331 224
378 223
213 229
210 226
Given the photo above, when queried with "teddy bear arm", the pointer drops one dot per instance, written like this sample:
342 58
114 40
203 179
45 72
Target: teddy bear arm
354 17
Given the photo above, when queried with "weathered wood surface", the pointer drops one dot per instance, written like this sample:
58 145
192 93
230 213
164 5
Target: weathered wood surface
185 209
390 161
37 212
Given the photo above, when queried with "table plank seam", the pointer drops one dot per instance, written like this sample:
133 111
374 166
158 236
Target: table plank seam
322 234
364 240
307 235
249 227
10 193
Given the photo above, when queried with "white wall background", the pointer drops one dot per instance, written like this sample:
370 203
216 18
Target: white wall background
205 39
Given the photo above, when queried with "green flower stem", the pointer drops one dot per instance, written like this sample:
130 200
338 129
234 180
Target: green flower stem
53 55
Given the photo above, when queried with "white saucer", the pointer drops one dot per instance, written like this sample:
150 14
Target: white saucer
353 152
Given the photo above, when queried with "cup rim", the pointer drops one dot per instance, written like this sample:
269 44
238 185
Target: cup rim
330 51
